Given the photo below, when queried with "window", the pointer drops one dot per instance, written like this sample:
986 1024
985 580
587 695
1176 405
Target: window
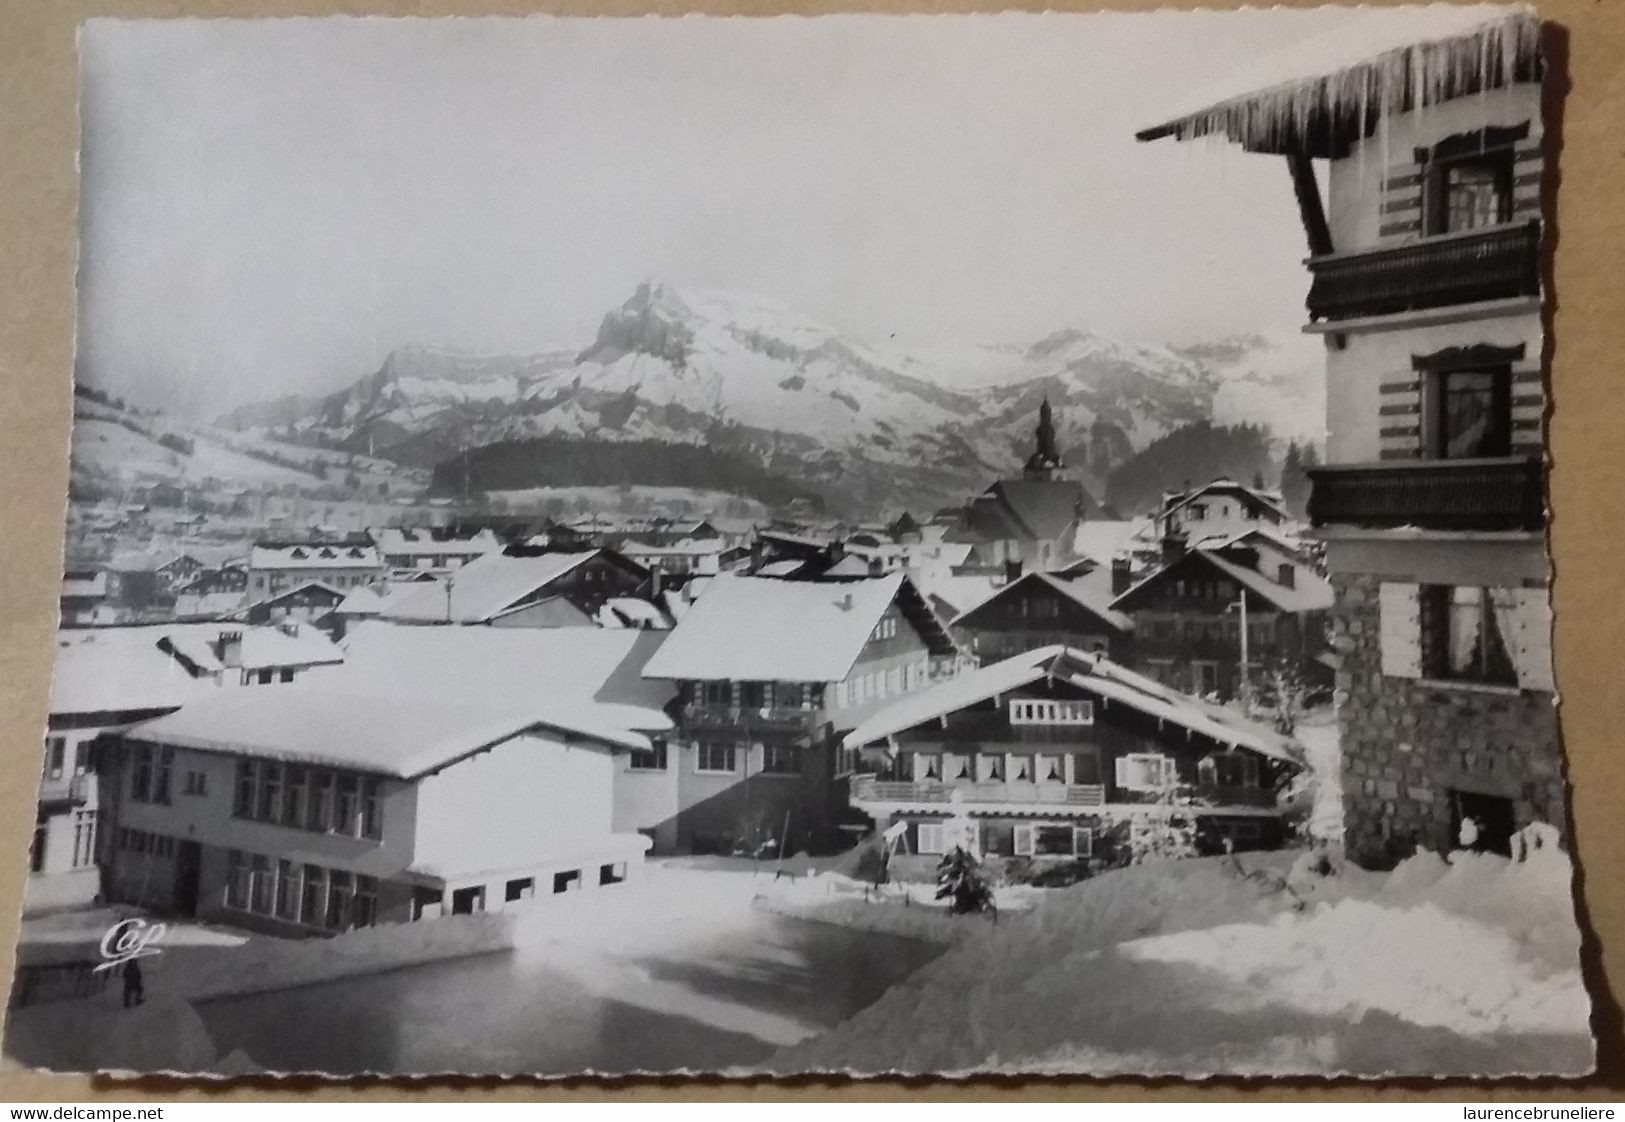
287 891
365 910
84 838
237 880
1052 712
293 798
345 805
269 807
568 881
1198 512
56 749
321 801
754 695
781 759
714 757
372 809
81 757
1464 633
716 693
287 674
1228 769
990 767
929 836
313 896
1471 413
196 784
522 888
260 885
885 629
1052 839
653 758
1146 772
149 778
1469 185
613 873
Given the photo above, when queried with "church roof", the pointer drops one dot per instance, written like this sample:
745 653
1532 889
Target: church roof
1046 508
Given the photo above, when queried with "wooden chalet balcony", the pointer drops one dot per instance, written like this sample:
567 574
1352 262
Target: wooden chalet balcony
769 719
65 790
868 789
1497 263
1204 794
1494 494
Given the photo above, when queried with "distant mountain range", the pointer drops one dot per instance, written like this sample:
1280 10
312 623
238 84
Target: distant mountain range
868 427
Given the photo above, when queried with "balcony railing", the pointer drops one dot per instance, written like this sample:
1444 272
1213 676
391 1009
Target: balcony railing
1493 264
867 788
1203 794
64 789
1498 494
769 719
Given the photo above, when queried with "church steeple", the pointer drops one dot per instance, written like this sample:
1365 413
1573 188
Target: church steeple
1045 462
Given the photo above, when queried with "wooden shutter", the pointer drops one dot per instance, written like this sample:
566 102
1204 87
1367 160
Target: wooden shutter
1400 606
1531 640
930 837
1125 772
1024 841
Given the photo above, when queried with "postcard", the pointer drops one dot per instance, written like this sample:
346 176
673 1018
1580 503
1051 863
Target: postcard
861 544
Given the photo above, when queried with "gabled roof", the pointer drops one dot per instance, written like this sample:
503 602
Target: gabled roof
597 670
766 629
1319 94
320 588
1309 591
397 735
1085 596
314 555
486 588
1082 670
1262 498
160 666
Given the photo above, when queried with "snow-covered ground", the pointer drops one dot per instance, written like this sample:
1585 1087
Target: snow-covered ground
1469 966
1317 732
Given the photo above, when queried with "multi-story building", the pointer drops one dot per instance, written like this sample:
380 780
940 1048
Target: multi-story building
521 586
306 811
105 680
276 567
1041 610
1425 263
769 671
408 552
1047 752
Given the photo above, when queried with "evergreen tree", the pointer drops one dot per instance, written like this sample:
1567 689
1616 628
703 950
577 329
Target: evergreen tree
961 883
1295 479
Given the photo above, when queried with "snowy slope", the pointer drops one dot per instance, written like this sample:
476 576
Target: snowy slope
875 425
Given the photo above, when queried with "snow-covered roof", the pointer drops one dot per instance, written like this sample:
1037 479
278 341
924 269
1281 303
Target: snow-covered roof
396 541
399 735
1086 595
633 612
484 589
128 669
590 669
88 584
1308 592
688 547
208 605
1089 672
1178 500
765 629
1318 93
314 555
1103 538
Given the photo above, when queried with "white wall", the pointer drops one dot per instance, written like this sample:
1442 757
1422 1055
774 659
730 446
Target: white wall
520 805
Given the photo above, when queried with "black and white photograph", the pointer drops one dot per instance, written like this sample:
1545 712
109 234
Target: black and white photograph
857 544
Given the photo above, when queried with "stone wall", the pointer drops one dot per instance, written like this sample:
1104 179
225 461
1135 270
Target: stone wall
1407 744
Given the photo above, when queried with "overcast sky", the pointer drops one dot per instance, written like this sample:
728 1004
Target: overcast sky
273 206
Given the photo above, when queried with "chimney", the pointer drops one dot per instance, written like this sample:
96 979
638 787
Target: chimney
1012 571
756 552
1173 546
654 584
1288 575
230 647
1121 575
845 602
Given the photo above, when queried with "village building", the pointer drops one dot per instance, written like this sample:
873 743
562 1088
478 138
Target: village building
706 556
1042 610
408 552
1425 265
84 598
306 811
275 567
768 672
522 586
1191 612
309 602
1214 511
1028 524
108 678
1062 754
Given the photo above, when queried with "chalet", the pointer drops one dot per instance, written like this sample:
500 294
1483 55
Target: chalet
178 570
706 556
1425 266
1042 610
522 586
768 670
302 812
1220 509
1027 524
310 602
108 678
275 567
1192 612
1051 752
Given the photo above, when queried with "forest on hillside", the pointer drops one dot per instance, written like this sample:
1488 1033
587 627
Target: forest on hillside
1188 456
561 461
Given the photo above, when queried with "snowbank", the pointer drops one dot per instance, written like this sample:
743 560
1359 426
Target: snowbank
906 910
1201 966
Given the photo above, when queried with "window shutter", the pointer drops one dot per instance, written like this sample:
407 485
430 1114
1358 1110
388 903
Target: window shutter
1400 606
1531 640
1125 772
1024 841
930 837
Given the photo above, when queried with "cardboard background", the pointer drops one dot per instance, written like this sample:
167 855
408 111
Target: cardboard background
38 158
